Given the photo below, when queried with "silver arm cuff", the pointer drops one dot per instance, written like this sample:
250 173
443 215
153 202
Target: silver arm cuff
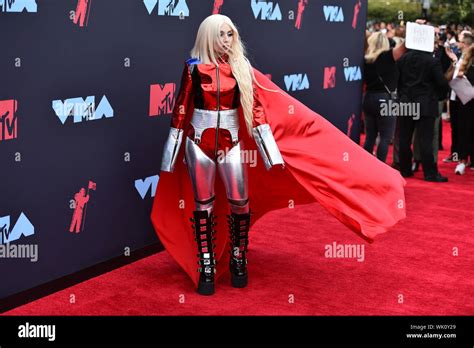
267 146
171 149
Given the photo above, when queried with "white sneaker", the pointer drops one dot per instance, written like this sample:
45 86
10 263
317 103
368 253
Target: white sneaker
460 169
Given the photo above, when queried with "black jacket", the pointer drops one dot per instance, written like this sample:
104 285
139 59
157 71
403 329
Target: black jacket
440 54
422 81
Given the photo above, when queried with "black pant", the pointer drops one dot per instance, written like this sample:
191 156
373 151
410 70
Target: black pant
424 128
465 130
453 114
376 124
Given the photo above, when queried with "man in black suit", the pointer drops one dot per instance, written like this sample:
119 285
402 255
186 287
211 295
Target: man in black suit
421 82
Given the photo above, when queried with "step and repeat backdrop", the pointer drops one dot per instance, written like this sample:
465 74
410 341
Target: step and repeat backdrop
86 92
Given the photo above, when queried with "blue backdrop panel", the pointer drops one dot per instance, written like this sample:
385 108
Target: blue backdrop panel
86 89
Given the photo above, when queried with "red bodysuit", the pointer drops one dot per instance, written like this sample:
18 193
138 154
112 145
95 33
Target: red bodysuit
362 192
199 85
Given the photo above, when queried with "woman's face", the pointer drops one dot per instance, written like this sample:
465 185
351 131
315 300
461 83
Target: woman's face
226 37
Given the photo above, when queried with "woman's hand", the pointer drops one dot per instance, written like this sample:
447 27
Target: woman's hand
450 54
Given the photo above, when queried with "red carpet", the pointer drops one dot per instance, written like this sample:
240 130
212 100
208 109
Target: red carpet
411 270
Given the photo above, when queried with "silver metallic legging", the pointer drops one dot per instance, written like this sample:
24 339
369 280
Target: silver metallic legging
232 171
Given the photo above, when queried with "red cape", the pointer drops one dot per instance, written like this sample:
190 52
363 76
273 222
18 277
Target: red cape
322 164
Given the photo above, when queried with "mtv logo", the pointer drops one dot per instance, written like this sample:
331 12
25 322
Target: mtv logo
143 186
82 109
329 77
296 82
168 7
23 227
352 73
333 13
8 119
162 98
18 6
267 10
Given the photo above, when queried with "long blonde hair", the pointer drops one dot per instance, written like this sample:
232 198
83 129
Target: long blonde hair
376 44
468 59
207 38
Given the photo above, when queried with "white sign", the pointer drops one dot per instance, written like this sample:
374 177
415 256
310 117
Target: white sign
463 89
420 37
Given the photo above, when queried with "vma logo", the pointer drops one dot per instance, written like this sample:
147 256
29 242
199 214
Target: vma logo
301 6
8 119
18 6
23 227
143 186
83 9
168 7
82 109
333 13
217 6
266 10
352 73
162 99
350 125
329 77
356 14
81 199
296 82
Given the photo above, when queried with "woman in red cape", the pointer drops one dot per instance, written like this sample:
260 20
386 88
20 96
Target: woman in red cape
305 159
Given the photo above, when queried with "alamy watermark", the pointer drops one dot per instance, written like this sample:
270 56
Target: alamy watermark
397 109
19 251
28 330
229 156
345 251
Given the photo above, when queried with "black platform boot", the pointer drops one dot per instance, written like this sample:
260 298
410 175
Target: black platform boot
239 225
203 226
